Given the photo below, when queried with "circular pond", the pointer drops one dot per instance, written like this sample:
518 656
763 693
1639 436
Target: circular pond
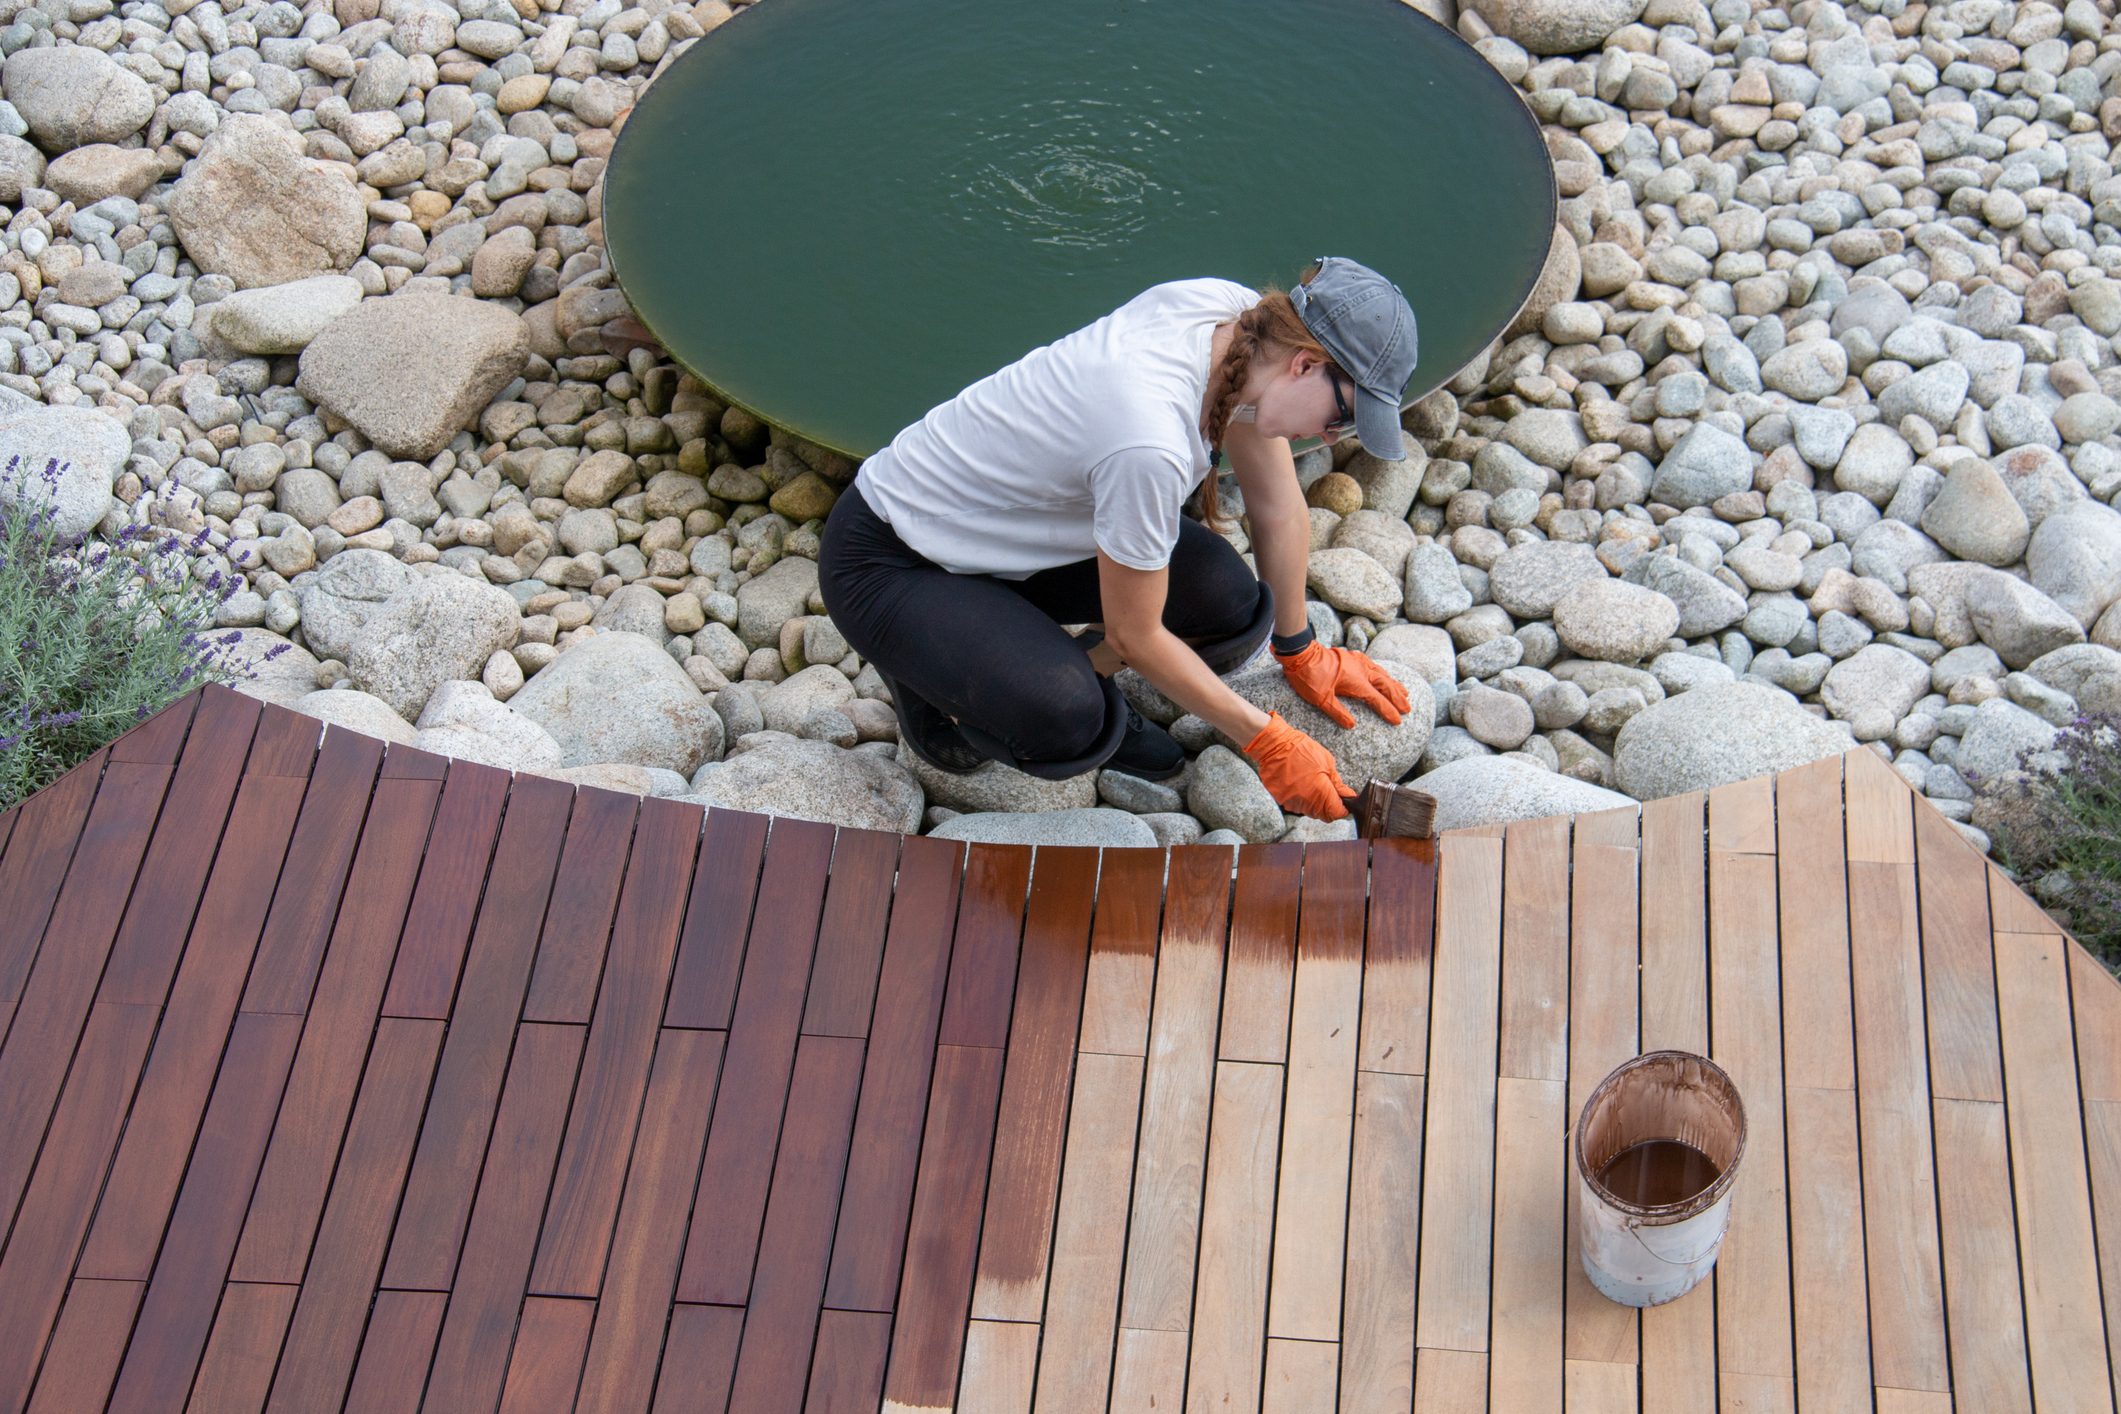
840 212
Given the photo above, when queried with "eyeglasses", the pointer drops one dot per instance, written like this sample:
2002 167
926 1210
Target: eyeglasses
1343 416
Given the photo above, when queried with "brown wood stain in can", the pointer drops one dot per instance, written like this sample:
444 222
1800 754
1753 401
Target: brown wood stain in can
1657 1173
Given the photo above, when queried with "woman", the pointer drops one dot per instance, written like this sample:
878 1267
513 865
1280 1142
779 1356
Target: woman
1051 493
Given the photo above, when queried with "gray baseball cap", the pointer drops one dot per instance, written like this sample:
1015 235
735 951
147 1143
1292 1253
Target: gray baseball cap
1366 324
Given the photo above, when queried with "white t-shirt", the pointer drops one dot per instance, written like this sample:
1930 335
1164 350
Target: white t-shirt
1090 443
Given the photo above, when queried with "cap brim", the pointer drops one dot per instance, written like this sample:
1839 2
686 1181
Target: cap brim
1377 424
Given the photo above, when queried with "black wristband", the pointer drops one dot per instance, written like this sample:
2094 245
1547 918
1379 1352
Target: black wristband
1296 642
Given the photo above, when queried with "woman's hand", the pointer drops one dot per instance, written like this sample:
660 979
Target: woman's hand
1322 676
1300 774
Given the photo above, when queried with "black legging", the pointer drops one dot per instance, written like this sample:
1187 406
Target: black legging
991 652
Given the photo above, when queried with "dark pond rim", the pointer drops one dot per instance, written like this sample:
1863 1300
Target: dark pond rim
1421 388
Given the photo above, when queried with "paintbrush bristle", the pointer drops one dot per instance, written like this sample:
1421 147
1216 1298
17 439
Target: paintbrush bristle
1383 810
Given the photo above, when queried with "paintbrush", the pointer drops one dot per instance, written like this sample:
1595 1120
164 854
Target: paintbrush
1383 810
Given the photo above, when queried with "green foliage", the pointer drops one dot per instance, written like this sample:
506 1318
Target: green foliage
2058 827
94 637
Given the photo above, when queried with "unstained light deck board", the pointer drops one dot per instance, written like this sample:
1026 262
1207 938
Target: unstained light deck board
353 1078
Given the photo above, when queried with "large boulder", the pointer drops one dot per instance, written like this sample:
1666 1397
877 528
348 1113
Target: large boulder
994 786
1489 790
1095 827
90 448
2075 559
1224 792
267 666
72 95
813 780
1704 466
2016 619
1706 604
438 628
1976 517
1614 621
253 207
462 720
1370 748
1873 688
1714 735
357 711
1557 26
1530 579
772 597
2088 672
1998 738
344 595
618 697
411 371
282 319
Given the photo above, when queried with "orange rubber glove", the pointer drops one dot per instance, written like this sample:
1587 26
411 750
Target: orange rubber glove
1299 773
1322 676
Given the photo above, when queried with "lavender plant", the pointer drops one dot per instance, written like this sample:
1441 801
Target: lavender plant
95 636
2058 826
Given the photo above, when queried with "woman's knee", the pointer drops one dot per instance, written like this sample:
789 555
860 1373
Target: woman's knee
1057 712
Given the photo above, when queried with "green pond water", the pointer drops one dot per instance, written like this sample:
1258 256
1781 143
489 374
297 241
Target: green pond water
840 212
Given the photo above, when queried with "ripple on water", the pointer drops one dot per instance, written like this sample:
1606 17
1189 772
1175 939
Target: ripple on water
1078 173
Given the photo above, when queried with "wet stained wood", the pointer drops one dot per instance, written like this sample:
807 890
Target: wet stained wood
396 1352
82 1360
1023 1185
935 1289
990 922
850 937
725 884
1396 947
641 1276
445 903
38 851
319 858
616 1056
871 1233
1122 971
195 1027
326 1330
39 1256
342 1018
467 1087
699 1358
178 1308
752 1096
1054 1129
795 1244
61 986
585 899
547 1364
238 1364
143 957
471 1356
847 1367
1262 966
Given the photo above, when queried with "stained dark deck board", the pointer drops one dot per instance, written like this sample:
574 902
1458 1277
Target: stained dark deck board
374 1081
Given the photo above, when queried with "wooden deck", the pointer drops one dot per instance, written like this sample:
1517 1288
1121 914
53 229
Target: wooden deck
336 1077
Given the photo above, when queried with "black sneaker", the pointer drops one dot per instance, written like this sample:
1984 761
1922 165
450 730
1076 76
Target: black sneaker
930 734
1147 751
